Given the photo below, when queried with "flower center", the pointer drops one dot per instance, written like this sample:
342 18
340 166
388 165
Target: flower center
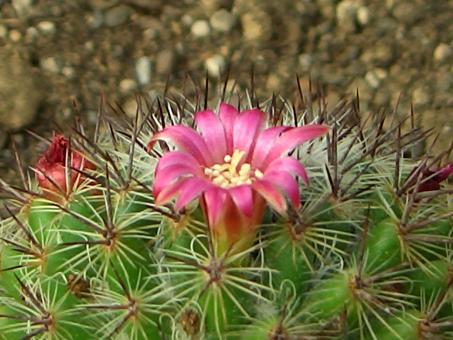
229 174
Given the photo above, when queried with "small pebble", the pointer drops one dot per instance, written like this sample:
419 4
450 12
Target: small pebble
130 107
446 130
273 82
408 12
381 54
375 77
222 21
117 15
50 65
31 34
127 85
363 16
210 6
47 27
89 46
421 96
256 26
95 20
187 20
442 53
200 29
305 61
15 35
22 7
143 70
165 61
346 15
215 65
68 72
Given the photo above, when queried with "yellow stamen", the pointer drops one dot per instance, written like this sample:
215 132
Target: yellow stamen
245 169
229 174
219 180
258 173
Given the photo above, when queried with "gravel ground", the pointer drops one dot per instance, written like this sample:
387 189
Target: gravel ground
54 52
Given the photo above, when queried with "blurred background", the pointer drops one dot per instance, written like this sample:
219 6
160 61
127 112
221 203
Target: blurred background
55 51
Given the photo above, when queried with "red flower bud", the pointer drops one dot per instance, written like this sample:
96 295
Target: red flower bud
431 179
56 169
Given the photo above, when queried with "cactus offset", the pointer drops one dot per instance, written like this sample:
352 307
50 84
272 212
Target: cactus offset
274 221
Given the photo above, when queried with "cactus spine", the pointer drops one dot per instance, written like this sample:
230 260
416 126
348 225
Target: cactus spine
364 254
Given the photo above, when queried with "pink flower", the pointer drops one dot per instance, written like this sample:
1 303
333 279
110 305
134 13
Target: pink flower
54 171
234 165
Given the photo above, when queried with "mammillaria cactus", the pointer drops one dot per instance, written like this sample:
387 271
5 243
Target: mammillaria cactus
259 220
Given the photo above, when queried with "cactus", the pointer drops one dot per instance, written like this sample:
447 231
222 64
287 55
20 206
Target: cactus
264 220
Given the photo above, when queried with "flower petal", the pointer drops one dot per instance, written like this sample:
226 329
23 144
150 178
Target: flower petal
271 194
228 115
185 139
242 196
264 142
290 139
190 190
215 204
212 130
171 174
176 157
289 165
287 184
169 192
246 128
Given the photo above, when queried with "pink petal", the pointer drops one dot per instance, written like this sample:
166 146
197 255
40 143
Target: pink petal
176 157
169 192
289 165
171 174
242 196
185 139
215 204
212 130
264 142
246 128
287 184
292 138
190 190
228 114
271 194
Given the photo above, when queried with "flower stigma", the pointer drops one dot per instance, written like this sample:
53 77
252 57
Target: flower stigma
226 175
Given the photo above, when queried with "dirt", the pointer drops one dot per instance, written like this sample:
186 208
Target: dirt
75 51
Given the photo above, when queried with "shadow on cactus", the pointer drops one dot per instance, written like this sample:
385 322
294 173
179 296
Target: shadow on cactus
255 219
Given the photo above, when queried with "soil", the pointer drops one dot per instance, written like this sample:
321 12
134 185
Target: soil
55 53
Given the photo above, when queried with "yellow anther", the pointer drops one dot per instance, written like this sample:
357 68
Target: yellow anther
237 156
245 169
235 180
219 180
227 175
258 173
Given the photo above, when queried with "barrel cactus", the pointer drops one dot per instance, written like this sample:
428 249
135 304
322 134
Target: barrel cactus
254 220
